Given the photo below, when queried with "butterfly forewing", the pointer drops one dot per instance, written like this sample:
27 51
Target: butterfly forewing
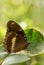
13 26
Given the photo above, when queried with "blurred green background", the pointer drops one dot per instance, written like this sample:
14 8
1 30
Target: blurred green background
30 12
27 13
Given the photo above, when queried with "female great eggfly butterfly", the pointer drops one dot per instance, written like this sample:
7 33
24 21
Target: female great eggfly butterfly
15 39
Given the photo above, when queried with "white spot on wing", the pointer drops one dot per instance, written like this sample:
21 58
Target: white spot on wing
12 23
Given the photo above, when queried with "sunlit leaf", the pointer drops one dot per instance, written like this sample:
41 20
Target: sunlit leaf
16 59
3 55
36 40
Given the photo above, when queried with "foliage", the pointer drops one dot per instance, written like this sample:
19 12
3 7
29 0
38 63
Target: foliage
29 14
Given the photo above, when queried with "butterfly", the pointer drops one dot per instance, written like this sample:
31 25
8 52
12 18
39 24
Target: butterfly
15 38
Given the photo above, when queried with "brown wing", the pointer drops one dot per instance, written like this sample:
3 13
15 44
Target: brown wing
10 41
15 42
20 41
13 26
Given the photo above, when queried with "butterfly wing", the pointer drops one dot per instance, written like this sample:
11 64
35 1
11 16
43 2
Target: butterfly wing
10 41
15 39
21 43
15 42
13 26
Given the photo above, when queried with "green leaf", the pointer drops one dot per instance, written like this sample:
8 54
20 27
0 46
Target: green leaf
3 55
16 59
36 40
